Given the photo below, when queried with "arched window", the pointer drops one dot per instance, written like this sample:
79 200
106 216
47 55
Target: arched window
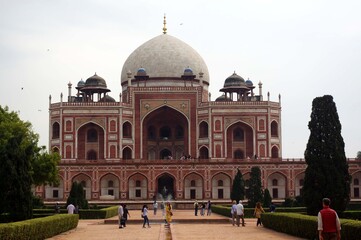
238 154
56 130
238 135
274 129
220 183
218 125
137 183
203 153
92 135
110 183
261 125
68 126
91 155
274 182
193 183
55 150
112 126
127 130
203 130
274 152
127 153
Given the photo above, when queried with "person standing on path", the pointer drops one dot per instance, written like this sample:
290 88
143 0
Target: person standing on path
196 208
155 207
120 215
145 216
258 210
209 208
240 213
168 213
329 226
234 212
125 215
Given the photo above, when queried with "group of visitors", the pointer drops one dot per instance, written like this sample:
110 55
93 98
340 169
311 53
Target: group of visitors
203 207
70 208
123 214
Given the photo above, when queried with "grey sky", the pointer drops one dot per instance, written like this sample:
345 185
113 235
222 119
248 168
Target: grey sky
299 49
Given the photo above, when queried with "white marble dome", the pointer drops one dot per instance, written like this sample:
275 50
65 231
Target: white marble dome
166 57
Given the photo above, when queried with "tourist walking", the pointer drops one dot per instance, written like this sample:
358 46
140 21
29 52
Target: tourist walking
258 210
162 208
234 212
209 208
196 208
168 213
125 215
240 213
120 215
272 207
203 207
57 207
155 207
145 215
329 227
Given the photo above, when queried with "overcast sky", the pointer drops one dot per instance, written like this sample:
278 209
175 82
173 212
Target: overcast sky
299 49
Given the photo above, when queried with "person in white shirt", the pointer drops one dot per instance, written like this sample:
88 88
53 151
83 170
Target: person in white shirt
120 215
240 213
70 208
234 212
155 207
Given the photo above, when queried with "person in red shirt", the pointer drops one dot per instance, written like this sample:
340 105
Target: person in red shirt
329 227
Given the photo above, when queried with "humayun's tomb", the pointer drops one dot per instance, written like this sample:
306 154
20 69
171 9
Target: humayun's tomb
165 133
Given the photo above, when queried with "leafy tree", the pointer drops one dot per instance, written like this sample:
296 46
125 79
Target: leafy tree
238 187
255 193
77 197
267 198
327 170
44 168
22 164
18 147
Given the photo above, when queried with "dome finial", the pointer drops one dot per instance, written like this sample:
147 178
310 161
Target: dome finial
164 25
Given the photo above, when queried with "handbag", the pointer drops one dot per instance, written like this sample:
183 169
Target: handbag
141 215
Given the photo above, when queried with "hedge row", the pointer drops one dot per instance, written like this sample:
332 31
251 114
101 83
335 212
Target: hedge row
39 228
83 213
225 210
305 226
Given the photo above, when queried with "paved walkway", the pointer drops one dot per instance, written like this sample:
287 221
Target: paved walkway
185 226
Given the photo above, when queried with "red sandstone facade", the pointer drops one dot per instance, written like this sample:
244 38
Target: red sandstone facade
166 134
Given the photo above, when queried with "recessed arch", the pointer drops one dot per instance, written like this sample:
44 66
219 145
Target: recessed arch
85 180
277 185
274 128
109 186
203 129
90 140
193 186
274 152
239 135
203 152
56 130
221 192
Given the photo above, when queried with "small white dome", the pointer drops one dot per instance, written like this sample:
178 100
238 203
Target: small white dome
166 57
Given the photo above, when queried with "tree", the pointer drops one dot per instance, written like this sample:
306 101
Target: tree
358 155
44 168
255 193
267 198
238 187
22 164
18 146
76 196
327 170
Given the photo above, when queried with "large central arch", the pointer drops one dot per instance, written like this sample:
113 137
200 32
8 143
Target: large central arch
165 132
165 186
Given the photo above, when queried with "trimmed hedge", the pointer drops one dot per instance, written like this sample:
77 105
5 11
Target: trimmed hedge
355 215
225 210
39 228
305 226
83 213
98 214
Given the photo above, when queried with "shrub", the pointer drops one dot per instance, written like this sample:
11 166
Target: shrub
39 228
